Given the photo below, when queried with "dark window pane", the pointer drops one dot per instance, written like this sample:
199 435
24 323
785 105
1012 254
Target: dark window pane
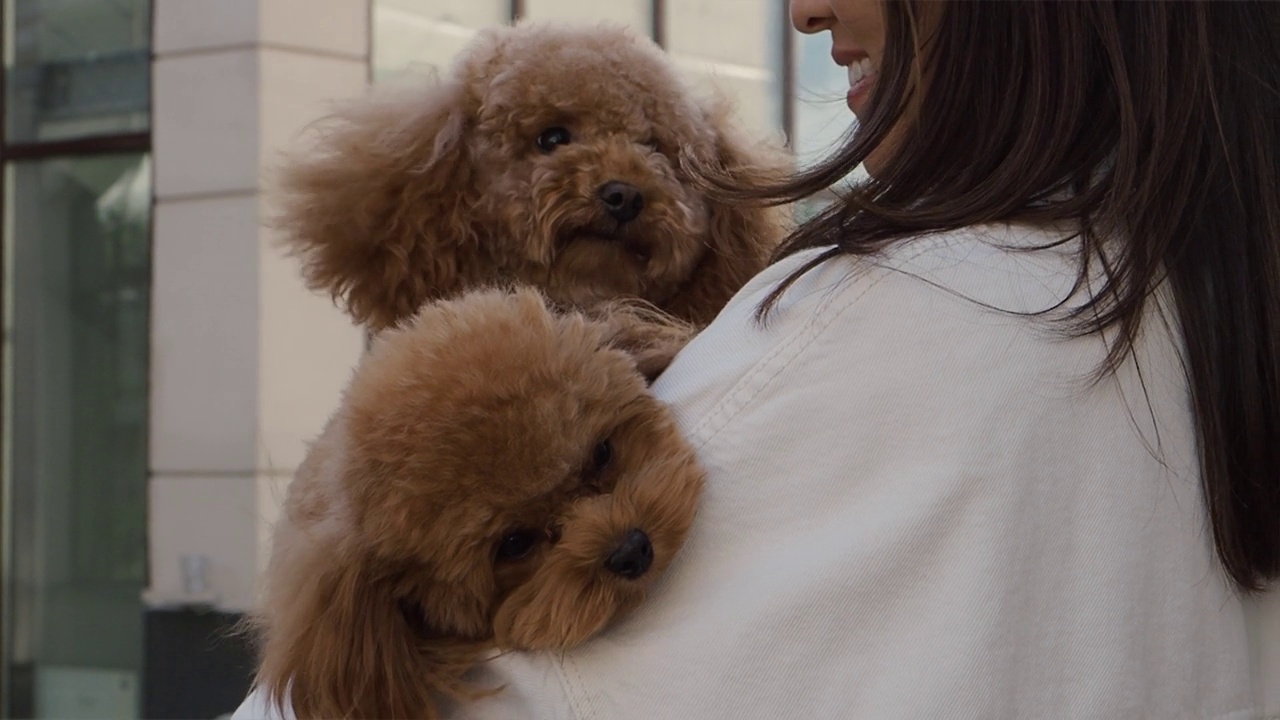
76 68
77 293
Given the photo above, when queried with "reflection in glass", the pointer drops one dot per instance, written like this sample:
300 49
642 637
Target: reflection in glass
415 36
822 116
77 282
76 68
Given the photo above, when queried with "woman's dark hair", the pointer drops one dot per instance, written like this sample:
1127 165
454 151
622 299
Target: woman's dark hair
1159 121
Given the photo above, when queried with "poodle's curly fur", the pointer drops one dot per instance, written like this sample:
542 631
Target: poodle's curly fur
480 488
508 170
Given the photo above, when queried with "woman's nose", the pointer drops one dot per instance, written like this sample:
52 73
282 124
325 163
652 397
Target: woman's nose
812 16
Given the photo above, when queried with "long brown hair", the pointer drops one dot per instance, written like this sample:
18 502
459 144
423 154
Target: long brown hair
1159 121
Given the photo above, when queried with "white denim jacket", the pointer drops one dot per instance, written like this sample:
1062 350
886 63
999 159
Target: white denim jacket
919 507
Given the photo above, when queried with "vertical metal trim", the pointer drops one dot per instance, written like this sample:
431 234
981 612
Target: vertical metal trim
6 694
658 22
151 282
370 18
788 71
4 98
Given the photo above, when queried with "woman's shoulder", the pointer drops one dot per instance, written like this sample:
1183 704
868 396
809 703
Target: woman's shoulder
934 301
1009 269
1003 267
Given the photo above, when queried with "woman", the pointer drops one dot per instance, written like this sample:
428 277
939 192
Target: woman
997 437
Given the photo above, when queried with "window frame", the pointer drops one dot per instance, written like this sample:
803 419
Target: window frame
37 150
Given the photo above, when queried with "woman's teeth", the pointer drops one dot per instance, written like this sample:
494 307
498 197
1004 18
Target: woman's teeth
860 71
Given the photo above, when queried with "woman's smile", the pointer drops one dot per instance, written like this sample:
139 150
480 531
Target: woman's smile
862 78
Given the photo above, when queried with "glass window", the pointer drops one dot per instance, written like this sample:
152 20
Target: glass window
736 45
822 118
76 68
419 35
77 286
636 13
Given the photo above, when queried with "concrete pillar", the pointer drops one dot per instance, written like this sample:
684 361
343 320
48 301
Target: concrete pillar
246 364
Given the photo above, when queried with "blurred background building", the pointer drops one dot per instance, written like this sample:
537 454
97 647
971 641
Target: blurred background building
163 367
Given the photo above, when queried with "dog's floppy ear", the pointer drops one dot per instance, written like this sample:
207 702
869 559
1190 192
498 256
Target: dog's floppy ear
741 236
347 651
374 207
336 638
650 336
351 649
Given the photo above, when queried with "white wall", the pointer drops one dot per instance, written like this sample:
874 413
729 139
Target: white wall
246 364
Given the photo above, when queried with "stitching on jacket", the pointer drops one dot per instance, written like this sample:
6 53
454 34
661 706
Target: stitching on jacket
756 381
789 344
579 703
728 413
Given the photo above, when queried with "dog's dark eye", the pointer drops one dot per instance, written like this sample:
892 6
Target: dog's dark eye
516 545
601 456
551 138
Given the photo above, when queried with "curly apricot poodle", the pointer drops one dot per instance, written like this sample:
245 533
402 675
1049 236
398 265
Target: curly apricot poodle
496 477
570 157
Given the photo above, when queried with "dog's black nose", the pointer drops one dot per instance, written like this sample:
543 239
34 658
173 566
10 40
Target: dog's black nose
633 557
624 202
